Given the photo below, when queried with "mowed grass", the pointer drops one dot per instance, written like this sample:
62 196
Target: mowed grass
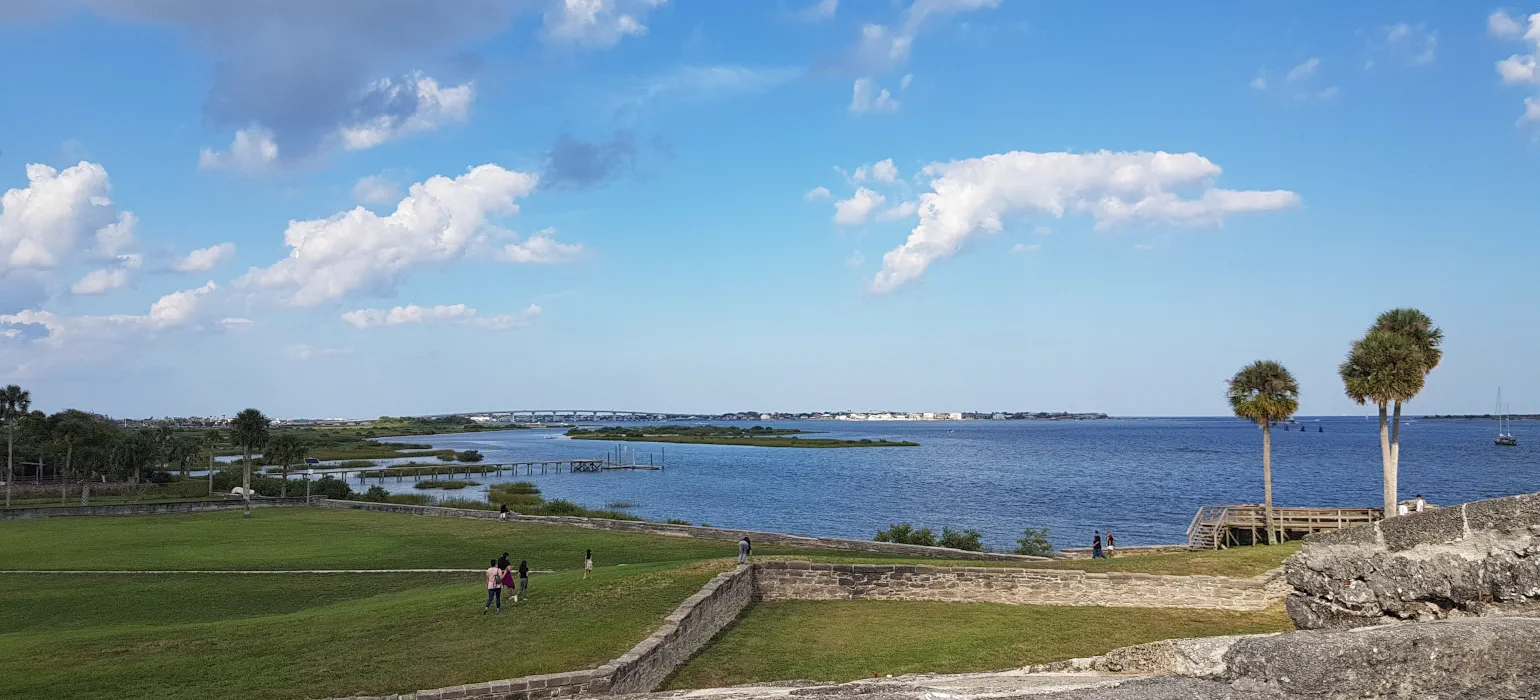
1239 562
317 635
847 640
325 538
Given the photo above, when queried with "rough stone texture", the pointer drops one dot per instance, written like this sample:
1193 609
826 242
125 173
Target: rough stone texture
976 584
143 508
1200 657
1480 558
710 533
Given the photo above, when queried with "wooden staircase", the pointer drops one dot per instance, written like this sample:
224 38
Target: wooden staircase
1208 527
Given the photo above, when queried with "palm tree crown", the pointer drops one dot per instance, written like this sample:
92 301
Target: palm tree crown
1416 327
249 429
14 403
1264 392
1383 367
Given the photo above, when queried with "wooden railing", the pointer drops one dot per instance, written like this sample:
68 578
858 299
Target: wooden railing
1216 527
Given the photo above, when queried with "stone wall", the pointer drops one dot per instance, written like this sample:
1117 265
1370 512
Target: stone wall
642 669
711 533
971 584
1480 558
1129 551
143 508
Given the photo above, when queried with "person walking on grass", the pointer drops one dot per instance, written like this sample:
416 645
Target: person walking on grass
502 513
1111 546
1096 547
588 563
523 581
745 548
502 562
494 587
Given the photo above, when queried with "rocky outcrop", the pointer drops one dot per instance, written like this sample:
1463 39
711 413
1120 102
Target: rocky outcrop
1480 558
1468 659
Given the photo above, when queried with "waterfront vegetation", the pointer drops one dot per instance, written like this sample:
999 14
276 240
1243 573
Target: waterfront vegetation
904 533
446 484
757 436
846 640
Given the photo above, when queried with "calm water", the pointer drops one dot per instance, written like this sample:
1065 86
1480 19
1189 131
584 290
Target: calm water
1141 478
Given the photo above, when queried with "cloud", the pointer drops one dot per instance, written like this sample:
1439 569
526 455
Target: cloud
540 249
574 164
457 314
880 47
816 193
867 97
1520 68
1026 248
304 352
971 196
699 83
1303 70
359 252
902 210
819 11
884 171
1404 43
596 22
1503 25
108 279
44 339
855 210
59 219
392 108
204 258
856 259
377 189
252 151
235 323
903 83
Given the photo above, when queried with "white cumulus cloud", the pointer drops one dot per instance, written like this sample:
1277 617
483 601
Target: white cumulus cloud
1501 24
973 196
433 106
456 314
253 150
855 210
42 339
819 11
1520 68
109 279
360 252
204 258
884 171
540 249
816 193
867 97
596 22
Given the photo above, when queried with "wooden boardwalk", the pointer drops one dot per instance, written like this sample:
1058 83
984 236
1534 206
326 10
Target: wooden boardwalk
1217 527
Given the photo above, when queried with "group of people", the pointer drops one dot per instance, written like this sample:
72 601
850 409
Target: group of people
1418 504
500 575
1097 551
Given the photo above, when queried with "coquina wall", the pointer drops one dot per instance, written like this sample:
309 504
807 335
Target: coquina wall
1479 558
972 584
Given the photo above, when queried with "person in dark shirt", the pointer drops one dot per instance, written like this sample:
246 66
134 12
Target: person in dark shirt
1096 547
523 581
502 561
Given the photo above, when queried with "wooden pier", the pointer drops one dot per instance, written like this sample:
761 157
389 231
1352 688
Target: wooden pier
1217 527
453 471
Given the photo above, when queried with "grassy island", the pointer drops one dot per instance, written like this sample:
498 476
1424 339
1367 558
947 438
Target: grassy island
757 436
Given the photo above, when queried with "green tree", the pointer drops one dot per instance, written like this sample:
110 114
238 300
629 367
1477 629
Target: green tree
283 450
1264 392
139 451
966 540
1034 543
1384 367
1415 326
14 404
249 430
68 428
211 441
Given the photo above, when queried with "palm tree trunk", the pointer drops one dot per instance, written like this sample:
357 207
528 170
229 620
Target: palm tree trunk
85 490
1388 468
246 478
9 434
64 484
1395 450
211 471
283 488
1267 478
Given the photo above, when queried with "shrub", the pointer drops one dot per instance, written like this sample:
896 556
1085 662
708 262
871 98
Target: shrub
676 521
447 456
377 494
358 464
966 540
450 484
331 487
904 533
1034 542
410 499
469 456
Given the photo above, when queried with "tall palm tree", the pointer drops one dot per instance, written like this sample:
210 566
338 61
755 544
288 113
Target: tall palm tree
69 427
211 440
1384 367
14 404
283 450
1415 326
1264 392
249 430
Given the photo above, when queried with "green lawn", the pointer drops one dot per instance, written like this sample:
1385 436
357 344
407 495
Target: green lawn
1240 562
281 636
846 640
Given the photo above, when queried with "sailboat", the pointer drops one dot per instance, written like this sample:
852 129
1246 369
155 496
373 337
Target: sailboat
1504 438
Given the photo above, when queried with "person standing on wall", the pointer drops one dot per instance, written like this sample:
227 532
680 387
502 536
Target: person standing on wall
744 549
1419 504
1096 547
494 587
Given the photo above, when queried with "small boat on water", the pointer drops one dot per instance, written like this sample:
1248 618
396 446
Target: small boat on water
1505 438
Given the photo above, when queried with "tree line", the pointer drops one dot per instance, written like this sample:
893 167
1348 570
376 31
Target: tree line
1387 367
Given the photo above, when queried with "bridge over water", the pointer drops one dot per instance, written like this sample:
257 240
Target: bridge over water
568 415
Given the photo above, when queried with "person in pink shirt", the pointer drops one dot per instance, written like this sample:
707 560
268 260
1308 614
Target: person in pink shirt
494 588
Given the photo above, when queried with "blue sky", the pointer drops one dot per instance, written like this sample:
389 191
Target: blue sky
615 203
